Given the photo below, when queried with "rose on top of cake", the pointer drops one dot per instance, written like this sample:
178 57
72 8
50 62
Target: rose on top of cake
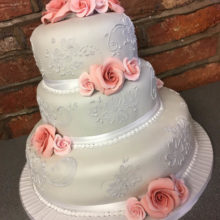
56 10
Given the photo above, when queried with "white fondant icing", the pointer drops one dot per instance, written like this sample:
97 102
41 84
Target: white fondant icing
66 49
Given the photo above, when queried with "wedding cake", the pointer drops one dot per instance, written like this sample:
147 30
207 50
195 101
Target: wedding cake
112 140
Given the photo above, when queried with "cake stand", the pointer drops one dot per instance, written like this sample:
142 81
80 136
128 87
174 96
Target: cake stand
196 176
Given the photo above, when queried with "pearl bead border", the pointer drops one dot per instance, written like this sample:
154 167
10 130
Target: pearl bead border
121 137
77 213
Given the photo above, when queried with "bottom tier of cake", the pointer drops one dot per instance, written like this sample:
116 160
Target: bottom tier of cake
90 178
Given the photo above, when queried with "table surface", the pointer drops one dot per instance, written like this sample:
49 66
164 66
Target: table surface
204 105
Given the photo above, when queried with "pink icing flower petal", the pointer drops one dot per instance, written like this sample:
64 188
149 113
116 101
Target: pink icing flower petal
55 5
181 188
114 5
134 210
96 76
161 183
47 17
43 138
61 13
161 198
86 85
183 191
101 6
132 69
56 10
82 8
159 83
112 78
62 145
109 77
174 195
149 208
48 152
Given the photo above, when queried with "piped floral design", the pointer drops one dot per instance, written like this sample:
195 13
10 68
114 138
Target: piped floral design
47 142
109 77
162 197
57 10
181 142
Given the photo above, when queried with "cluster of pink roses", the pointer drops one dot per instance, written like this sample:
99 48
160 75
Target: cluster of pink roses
163 196
56 10
47 142
109 77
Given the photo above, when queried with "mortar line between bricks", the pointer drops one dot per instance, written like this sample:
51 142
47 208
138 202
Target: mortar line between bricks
16 86
195 6
179 43
20 113
193 65
18 20
218 46
14 54
35 5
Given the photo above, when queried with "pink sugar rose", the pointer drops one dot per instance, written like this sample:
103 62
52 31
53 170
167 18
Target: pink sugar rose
86 85
108 78
56 11
43 140
132 69
161 198
159 83
62 145
101 6
114 5
82 8
182 189
134 210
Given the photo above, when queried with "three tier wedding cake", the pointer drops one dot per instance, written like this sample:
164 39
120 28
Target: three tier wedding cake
112 142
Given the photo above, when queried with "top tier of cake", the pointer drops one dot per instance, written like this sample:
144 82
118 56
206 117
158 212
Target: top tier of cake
66 49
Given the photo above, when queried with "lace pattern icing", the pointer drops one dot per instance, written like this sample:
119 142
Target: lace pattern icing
181 143
124 180
127 39
50 114
66 57
117 110
50 174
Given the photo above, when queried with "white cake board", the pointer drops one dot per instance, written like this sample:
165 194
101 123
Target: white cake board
196 177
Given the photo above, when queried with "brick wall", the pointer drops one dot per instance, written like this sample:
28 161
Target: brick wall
180 38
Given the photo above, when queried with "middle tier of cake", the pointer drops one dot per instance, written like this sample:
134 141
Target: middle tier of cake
77 116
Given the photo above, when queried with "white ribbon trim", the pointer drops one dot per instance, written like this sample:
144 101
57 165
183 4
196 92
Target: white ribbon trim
61 86
120 134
